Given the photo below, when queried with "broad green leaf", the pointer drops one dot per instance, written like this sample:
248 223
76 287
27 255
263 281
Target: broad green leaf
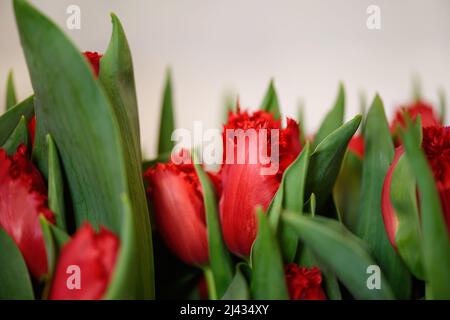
347 190
436 242
340 251
55 185
334 118
18 136
11 99
86 129
379 152
10 119
238 288
270 102
294 188
167 120
268 281
219 257
325 162
404 200
14 277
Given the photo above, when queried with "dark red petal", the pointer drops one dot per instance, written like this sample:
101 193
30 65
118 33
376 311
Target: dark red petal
32 129
426 111
304 283
23 197
94 60
177 199
95 254
389 215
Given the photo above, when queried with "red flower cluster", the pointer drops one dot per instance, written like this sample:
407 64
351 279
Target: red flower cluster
304 283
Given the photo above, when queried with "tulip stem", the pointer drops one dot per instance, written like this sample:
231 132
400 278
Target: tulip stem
209 277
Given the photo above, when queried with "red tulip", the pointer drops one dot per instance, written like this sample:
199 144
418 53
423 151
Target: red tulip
436 145
244 187
177 198
90 256
421 108
94 60
23 197
356 146
304 283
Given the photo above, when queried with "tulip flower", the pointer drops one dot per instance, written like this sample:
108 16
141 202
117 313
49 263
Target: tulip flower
244 186
436 145
23 198
177 199
428 116
85 265
356 146
304 283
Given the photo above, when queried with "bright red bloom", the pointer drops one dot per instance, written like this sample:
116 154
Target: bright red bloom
304 283
94 60
436 145
23 197
244 186
356 145
176 195
95 255
421 108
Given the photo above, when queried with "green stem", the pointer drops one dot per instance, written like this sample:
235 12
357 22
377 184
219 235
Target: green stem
210 283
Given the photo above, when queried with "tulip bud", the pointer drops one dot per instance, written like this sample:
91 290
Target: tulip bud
85 265
304 283
177 199
426 112
244 186
356 146
23 197
94 60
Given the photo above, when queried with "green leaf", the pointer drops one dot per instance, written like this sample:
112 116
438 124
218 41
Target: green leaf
379 152
268 281
326 160
11 99
219 257
436 242
10 119
404 200
270 102
167 121
238 288
293 184
334 118
88 131
347 190
18 136
55 185
14 277
340 251
442 105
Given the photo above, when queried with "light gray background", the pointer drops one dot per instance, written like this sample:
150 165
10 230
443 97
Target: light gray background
219 46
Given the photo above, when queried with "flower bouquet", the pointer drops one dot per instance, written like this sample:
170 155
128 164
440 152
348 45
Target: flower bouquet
359 210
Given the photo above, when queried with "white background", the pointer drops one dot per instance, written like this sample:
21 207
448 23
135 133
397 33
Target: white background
219 46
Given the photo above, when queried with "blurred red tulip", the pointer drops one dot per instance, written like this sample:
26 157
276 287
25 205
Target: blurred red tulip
421 108
90 256
356 146
176 195
304 283
244 187
436 145
23 197
94 60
